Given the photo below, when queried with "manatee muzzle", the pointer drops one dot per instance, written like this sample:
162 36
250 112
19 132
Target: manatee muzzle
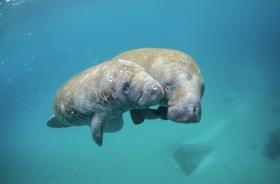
193 113
152 94
188 114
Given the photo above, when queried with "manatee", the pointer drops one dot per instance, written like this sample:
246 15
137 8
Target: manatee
180 78
100 95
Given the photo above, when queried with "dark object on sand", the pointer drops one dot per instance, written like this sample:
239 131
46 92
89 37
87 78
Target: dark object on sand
189 156
272 147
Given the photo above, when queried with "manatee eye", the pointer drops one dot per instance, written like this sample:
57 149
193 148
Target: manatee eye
168 86
126 87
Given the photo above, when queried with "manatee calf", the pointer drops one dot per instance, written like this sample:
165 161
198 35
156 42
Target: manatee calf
180 78
99 95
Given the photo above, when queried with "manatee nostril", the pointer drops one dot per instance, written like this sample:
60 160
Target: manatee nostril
155 90
198 109
190 108
193 113
195 110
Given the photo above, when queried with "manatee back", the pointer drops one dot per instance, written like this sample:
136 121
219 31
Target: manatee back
149 57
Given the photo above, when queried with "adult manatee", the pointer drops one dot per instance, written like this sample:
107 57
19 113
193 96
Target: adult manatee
180 78
99 95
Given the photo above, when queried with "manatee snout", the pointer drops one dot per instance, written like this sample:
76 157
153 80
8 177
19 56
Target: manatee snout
152 93
190 113
145 91
193 113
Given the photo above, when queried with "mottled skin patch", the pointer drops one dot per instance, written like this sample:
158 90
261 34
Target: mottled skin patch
180 78
99 95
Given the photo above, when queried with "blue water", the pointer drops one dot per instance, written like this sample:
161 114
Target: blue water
236 43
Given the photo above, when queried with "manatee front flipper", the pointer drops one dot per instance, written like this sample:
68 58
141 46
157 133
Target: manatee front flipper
163 112
97 126
55 123
136 116
139 115
114 125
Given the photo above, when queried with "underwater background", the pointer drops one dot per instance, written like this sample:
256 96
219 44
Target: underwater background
236 44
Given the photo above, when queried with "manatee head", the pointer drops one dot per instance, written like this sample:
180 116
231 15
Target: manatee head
184 104
143 90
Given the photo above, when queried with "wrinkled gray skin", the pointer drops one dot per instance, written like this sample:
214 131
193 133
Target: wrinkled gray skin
98 96
180 78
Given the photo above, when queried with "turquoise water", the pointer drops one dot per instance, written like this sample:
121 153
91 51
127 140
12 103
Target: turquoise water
235 43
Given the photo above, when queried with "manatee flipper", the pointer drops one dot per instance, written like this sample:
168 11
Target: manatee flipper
136 116
55 123
163 112
97 126
139 115
151 114
114 125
